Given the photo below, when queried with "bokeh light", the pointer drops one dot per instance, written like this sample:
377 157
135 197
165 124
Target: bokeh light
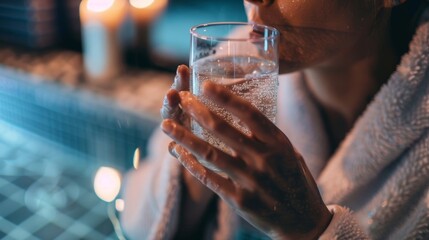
141 3
107 183
99 5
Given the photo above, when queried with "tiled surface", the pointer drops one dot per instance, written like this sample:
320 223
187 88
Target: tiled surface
46 193
104 122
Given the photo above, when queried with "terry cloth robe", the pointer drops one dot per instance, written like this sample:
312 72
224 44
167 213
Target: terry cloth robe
376 184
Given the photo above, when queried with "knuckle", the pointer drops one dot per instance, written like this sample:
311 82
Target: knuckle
216 125
179 134
209 123
242 199
252 114
210 154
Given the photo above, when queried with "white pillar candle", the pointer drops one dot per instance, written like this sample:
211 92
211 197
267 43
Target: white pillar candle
145 11
101 20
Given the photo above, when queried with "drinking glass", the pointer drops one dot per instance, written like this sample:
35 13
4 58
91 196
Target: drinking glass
243 57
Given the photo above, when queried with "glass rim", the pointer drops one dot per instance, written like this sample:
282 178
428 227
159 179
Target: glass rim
193 31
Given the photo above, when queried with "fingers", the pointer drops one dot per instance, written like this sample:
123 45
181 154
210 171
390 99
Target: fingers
236 196
223 187
202 150
260 126
181 81
216 125
170 107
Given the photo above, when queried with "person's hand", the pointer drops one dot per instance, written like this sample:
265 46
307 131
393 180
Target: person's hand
170 107
267 183
196 196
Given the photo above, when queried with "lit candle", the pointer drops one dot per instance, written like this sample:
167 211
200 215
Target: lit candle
145 11
101 20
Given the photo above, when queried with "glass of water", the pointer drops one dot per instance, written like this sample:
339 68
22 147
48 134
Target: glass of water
243 57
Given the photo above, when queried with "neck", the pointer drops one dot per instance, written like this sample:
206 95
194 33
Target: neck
346 85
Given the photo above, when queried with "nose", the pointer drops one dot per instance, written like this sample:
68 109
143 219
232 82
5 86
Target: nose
261 2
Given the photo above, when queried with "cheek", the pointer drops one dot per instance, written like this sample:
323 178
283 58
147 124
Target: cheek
337 15
315 31
300 47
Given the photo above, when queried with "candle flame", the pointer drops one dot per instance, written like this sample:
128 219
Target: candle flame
99 5
141 3
107 183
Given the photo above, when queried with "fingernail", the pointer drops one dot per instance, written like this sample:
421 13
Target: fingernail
172 149
179 68
167 126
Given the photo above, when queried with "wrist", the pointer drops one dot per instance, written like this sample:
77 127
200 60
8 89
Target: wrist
323 223
316 227
195 203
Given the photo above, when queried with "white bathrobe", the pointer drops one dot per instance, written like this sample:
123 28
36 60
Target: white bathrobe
376 183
